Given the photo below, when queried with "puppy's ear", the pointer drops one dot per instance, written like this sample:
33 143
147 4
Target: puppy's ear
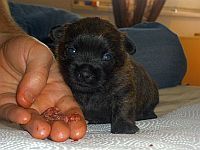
129 45
57 33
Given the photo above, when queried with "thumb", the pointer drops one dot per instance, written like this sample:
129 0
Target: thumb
38 63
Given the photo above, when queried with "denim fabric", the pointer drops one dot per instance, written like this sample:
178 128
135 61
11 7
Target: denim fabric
38 20
158 49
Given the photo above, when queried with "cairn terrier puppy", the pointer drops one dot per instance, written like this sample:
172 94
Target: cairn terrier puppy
94 59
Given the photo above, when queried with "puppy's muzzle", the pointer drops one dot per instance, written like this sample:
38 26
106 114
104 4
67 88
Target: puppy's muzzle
85 74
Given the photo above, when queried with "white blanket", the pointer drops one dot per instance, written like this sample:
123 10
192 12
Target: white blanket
179 130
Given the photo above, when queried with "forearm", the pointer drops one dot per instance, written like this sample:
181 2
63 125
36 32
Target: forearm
7 24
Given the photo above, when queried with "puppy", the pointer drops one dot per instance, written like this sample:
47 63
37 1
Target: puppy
94 59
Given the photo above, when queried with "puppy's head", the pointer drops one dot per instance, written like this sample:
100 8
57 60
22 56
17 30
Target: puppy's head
89 51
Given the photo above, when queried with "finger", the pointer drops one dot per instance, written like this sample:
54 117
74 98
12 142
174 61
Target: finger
77 126
68 105
76 121
60 131
37 126
12 112
39 61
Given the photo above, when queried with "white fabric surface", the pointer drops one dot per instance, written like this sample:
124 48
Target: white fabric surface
176 97
178 130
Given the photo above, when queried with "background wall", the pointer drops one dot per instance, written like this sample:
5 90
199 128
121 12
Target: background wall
182 16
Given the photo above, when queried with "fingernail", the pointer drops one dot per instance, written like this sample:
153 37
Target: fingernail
28 98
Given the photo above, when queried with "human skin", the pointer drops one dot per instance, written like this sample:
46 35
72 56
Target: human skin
30 83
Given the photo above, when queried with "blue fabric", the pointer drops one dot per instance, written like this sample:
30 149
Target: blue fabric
38 20
158 49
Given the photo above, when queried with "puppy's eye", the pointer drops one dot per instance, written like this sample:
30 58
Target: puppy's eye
71 50
107 57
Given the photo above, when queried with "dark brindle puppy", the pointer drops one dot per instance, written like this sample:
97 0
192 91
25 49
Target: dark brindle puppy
109 86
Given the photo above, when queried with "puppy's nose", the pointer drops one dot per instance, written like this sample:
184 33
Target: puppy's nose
85 76
85 73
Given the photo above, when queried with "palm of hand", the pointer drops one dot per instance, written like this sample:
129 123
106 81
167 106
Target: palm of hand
30 78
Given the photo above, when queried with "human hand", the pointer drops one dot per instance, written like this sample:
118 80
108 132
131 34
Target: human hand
31 83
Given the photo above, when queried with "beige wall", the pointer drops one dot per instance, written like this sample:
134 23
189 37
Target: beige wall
190 4
183 26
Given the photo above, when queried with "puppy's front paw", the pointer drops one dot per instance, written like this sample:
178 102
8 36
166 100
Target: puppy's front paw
123 127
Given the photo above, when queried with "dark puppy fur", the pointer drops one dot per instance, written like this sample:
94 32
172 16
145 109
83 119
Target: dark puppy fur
109 86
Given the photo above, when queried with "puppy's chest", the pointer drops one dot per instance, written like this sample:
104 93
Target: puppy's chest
94 101
95 106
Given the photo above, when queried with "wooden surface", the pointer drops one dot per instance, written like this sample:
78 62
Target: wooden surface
191 47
